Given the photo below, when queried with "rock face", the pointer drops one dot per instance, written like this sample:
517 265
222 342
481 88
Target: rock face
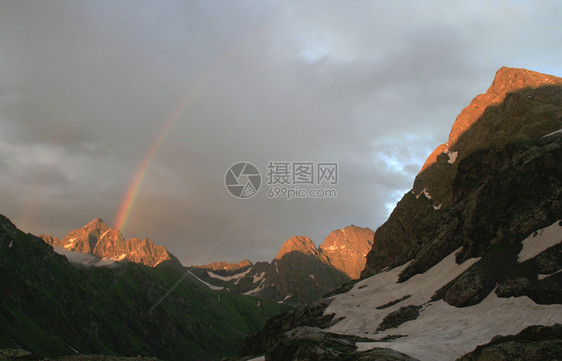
474 250
347 249
297 244
300 273
98 239
513 89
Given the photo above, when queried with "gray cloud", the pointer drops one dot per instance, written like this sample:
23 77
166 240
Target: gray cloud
87 87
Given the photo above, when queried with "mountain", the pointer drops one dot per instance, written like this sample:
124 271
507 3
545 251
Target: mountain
501 132
98 239
300 273
469 262
347 249
53 307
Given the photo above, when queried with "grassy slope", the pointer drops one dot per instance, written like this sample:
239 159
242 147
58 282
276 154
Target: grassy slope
51 307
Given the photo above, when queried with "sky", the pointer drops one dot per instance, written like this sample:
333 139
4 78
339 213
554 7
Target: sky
133 111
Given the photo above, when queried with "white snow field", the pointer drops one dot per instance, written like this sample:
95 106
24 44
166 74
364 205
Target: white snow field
539 241
442 331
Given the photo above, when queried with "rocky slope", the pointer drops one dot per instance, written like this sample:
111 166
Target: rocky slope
52 307
473 251
98 239
300 273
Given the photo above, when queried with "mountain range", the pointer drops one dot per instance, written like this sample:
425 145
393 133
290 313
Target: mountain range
53 304
468 265
300 273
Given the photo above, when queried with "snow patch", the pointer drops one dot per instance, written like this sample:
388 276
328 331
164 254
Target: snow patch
228 278
259 288
425 193
70 243
120 257
11 244
259 277
437 207
541 276
104 233
215 288
311 276
540 240
287 297
452 157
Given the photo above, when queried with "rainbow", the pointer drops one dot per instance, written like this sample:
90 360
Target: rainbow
128 202
132 193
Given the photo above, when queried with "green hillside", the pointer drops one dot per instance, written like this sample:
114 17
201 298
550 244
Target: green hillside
52 307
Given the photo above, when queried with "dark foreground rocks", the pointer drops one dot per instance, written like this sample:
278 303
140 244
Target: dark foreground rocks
535 343
313 344
21 355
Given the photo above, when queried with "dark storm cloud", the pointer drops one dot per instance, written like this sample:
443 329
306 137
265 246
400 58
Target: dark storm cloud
86 87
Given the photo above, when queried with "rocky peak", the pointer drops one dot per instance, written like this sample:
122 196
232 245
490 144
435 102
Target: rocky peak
96 224
359 239
347 249
300 244
520 105
507 80
87 238
504 128
99 239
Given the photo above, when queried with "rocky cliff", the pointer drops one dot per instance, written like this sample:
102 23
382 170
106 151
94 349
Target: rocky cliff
496 129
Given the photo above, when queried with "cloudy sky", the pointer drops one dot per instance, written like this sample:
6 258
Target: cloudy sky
155 100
